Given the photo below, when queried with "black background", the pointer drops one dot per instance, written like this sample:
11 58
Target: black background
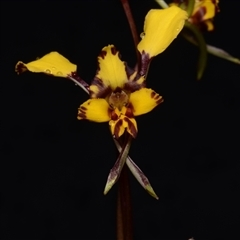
54 167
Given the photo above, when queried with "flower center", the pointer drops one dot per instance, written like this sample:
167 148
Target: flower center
118 99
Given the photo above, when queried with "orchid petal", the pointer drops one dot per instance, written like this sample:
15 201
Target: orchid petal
205 9
111 74
138 174
161 27
117 127
144 100
94 110
117 168
52 64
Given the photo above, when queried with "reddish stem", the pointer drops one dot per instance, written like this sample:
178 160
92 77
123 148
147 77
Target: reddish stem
133 28
124 208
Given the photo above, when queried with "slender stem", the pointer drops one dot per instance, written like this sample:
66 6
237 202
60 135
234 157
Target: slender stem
202 61
124 208
81 83
190 7
218 52
120 228
133 29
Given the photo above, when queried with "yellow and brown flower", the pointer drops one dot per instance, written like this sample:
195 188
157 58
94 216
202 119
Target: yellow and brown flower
117 95
203 13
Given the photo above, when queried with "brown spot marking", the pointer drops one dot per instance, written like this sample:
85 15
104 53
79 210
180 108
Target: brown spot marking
74 74
157 97
217 9
198 16
117 128
20 68
129 112
103 90
83 108
81 116
153 94
113 115
131 127
132 86
102 54
97 81
114 50
78 79
160 100
117 90
145 61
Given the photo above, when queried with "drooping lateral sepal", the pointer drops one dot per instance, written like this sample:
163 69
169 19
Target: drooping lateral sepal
96 110
117 168
137 173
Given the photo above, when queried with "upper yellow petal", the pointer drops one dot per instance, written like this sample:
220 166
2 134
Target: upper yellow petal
53 63
111 69
144 100
96 110
161 27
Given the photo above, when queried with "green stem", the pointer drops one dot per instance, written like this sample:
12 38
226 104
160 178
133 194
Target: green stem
190 7
218 52
202 62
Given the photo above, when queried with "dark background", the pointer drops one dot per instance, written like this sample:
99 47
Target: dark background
54 168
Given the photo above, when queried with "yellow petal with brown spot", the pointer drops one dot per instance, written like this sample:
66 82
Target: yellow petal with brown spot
144 100
111 69
96 110
52 63
123 123
208 6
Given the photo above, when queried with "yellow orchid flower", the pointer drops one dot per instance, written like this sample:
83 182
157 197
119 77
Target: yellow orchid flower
203 13
161 27
117 95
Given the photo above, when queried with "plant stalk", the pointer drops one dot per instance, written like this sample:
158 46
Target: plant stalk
133 29
124 208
